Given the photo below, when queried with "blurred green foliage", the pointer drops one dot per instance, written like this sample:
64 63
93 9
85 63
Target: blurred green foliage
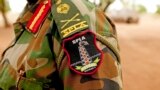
158 9
141 9
4 6
105 3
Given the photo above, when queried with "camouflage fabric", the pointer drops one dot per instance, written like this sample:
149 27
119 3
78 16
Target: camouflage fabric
38 62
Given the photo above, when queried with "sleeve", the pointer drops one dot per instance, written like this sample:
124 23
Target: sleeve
109 73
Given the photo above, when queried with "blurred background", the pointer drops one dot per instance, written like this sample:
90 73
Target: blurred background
138 28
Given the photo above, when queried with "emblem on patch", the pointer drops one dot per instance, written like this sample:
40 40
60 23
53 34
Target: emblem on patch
63 8
84 57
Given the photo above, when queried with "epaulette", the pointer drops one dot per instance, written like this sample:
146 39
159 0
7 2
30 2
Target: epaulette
38 16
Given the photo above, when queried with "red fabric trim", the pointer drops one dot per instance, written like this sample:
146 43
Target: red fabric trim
39 19
80 34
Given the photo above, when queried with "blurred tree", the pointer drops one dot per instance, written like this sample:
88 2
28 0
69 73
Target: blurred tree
128 3
158 9
4 7
104 4
141 8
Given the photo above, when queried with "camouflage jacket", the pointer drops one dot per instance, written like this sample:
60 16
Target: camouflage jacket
37 61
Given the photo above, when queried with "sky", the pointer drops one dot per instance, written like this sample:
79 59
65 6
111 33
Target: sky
18 5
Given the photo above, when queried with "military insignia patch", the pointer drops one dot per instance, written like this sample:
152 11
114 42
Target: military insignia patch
38 16
63 8
84 57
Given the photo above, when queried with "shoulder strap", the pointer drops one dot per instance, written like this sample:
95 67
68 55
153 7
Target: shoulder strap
68 18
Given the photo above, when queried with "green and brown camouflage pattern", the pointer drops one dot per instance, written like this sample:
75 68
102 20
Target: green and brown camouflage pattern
38 62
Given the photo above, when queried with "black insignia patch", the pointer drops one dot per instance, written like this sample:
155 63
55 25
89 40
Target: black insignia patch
84 57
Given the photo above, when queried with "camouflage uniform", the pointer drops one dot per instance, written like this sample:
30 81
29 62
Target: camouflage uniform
38 62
